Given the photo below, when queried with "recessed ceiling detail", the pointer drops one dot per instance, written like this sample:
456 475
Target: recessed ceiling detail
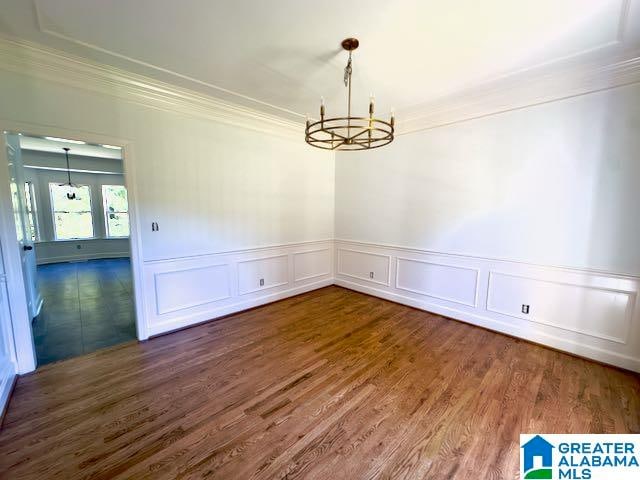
253 55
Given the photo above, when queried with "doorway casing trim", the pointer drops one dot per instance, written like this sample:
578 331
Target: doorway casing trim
25 357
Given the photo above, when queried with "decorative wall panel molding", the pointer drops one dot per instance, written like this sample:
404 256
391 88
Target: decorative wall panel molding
191 290
263 273
582 308
311 264
53 65
438 280
585 312
363 265
191 287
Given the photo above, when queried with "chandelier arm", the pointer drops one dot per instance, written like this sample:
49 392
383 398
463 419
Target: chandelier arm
334 147
364 130
329 129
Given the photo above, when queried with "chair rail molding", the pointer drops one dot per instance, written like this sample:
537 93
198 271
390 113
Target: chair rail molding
590 313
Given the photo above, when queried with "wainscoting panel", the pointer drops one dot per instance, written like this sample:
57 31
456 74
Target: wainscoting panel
597 312
311 264
191 290
362 265
262 273
589 313
191 287
438 280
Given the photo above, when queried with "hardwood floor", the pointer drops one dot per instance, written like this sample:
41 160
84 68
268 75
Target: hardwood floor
330 384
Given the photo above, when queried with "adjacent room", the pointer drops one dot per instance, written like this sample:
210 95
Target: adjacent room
277 240
75 233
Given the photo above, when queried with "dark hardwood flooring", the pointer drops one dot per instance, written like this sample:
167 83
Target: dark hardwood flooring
87 306
331 384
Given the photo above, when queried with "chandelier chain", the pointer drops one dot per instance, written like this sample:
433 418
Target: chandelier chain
347 71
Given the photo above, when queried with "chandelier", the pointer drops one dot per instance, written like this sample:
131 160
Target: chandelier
349 133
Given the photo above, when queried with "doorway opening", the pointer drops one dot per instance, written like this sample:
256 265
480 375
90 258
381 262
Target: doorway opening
71 212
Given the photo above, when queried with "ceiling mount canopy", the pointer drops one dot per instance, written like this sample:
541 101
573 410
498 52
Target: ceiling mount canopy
349 133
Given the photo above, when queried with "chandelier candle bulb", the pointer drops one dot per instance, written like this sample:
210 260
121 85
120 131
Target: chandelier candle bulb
349 132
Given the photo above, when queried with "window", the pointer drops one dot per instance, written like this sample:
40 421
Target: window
71 218
32 217
116 210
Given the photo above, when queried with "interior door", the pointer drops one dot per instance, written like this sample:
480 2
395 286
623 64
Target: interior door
23 227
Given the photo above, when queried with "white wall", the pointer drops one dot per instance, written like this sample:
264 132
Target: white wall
554 184
471 219
49 250
213 188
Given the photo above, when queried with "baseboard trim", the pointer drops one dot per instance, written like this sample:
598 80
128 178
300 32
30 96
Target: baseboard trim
6 390
538 338
172 325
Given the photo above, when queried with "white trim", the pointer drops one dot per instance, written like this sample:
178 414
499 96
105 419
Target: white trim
448 299
265 287
315 275
522 90
606 356
21 323
251 249
18 306
193 319
185 306
566 268
631 294
366 279
32 59
580 74
616 343
7 377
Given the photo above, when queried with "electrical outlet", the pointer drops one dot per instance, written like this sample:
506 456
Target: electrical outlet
525 308
370 274
262 282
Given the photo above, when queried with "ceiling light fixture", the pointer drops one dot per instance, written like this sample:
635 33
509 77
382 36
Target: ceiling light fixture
65 140
112 147
71 194
349 133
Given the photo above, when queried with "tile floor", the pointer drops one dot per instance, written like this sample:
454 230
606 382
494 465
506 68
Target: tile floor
87 306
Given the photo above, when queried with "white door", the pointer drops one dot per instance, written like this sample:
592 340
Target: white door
23 227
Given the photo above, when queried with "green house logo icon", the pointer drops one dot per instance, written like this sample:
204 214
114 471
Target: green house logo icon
540 448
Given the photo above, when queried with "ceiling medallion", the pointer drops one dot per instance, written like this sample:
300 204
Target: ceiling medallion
349 133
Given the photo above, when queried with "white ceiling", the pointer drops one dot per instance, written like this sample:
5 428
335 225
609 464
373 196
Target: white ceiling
281 56
54 146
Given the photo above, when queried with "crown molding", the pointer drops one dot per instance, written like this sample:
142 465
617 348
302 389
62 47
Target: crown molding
521 90
35 60
512 92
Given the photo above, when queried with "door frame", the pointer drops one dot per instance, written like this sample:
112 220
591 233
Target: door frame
24 347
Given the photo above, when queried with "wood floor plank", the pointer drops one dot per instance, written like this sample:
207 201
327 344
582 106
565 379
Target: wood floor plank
330 384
